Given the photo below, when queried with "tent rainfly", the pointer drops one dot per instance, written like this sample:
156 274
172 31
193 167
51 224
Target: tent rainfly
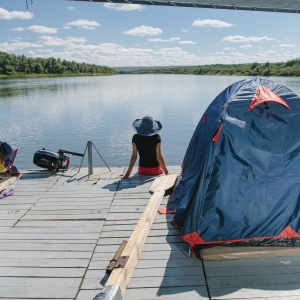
240 181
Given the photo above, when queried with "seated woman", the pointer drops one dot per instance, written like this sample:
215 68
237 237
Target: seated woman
147 143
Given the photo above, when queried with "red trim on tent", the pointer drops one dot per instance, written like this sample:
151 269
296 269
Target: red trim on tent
263 95
165 211
217 134
192 238
289 232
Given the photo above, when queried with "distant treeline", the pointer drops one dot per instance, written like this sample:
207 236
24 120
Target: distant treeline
289 68
14 65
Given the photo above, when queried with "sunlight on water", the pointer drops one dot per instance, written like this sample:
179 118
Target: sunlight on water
65 113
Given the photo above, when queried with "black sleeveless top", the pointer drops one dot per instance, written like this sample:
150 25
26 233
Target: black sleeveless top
146 146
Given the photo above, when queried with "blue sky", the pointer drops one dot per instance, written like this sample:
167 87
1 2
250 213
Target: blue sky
134 35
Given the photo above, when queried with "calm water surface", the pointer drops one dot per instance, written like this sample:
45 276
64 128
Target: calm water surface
65 113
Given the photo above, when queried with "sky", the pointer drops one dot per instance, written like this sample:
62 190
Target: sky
122 35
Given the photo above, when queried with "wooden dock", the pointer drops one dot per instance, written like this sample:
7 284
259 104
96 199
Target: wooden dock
59 231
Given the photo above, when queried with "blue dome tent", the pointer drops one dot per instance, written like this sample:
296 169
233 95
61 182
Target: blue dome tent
240 181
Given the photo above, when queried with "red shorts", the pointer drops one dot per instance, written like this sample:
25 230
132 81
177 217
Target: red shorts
150 171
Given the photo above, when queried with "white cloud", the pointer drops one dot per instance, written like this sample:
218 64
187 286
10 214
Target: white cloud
211 23
42 29
123 7
84 24
71 7
143 31
284 45
18 29
246 46
44 50
9 15
67 42
174 39
270 51
187 43
247 39
79 40
6 47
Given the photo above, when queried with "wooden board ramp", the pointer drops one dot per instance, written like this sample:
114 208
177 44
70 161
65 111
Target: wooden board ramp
119 278
169 185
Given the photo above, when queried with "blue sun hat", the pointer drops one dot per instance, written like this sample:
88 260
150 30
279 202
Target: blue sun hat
146 126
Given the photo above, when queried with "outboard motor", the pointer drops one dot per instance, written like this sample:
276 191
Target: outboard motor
53 160
50 160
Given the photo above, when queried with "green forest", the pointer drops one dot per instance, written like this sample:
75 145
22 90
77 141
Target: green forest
289 68
13 65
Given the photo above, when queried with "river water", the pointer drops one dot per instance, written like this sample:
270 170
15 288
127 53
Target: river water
66 112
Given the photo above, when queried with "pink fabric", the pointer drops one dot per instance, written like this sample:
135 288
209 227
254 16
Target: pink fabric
150 171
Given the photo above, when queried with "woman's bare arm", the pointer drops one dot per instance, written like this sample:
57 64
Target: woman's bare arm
132 160
161 159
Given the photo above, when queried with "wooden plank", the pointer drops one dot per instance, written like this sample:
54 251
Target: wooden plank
121 227
92 284
174 254
45 241
15 200
39 282
46 230
261 292
253 271
29 246
219 252
116 234
41 272
169 293
128 209
69 211
120 222
87 294
11 206
169 185
133 248
162 281
45 263
7 183
16 211
38 292
49 236
254 262
120 216
71 205
99 265
153 233
168 272
44 254
65 217
62 224
8 223
176 263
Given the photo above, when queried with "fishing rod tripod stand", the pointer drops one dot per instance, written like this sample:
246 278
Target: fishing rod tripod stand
88 149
